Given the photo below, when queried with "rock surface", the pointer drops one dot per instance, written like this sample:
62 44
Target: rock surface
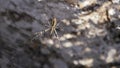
88 34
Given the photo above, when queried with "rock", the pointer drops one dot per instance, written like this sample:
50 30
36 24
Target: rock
84 39
72 1
58 63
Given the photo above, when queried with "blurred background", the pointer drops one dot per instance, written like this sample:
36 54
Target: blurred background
88 34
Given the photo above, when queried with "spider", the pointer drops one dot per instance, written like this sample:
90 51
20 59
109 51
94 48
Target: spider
52 28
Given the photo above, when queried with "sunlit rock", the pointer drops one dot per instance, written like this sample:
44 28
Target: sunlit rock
111 55
87 62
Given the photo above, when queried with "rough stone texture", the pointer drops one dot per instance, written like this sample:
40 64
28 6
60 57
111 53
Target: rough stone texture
88 34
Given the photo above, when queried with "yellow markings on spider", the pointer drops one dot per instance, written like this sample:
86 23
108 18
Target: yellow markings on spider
53 26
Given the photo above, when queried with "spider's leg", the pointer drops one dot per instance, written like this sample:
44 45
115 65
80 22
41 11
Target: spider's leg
57 27
56 33
46 30
48 23
57 24
47 26
36 35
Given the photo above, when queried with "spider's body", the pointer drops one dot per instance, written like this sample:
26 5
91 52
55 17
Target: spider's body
53 26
